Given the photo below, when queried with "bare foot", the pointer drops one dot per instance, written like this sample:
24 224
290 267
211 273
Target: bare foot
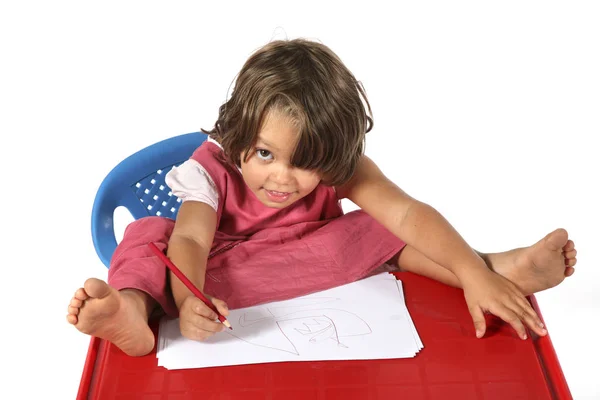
120 317
540 266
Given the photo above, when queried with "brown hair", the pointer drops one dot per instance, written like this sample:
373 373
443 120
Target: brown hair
307 82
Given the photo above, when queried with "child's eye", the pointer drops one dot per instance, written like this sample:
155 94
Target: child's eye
263 154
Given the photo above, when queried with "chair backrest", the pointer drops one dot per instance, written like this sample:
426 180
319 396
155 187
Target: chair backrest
138 184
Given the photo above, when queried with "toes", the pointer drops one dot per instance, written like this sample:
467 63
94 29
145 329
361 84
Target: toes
73 310
81 294
96 288
558 239
75 302
569 246
570 254
570 262
569 271
72 319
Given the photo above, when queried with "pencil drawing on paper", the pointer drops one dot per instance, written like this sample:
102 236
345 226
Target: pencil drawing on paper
299 323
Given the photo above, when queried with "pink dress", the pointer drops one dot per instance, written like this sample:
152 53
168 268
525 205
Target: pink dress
260 254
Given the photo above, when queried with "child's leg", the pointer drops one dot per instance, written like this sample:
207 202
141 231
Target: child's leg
137 285
543 265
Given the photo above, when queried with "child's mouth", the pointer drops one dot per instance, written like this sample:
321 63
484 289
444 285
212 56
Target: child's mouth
277 197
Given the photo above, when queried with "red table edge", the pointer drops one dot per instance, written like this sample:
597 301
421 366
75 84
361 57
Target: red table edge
88 368
546 354
549 360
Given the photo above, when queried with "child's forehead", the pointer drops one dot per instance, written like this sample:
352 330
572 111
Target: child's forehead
278 133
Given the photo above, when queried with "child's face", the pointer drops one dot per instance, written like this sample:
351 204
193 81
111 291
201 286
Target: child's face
268 172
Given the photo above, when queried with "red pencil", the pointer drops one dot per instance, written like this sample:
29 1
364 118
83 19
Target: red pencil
188 283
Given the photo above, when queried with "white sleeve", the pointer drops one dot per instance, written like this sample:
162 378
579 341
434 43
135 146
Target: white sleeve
190 181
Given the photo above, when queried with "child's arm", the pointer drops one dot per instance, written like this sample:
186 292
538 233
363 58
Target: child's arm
426 230
189 247
190 244
417 224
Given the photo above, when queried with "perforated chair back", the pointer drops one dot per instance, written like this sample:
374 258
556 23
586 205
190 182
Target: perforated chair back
138 184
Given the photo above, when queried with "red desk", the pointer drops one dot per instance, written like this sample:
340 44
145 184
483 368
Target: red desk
453 365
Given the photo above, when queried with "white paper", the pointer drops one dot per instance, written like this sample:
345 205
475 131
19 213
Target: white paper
367 319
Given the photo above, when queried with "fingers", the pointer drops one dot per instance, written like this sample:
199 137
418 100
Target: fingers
503 299
203 310
221 306
478 321
527 314
528 311
197 320
200 323
517 311
512 318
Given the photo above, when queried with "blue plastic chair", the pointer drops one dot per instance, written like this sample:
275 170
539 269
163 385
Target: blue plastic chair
138 184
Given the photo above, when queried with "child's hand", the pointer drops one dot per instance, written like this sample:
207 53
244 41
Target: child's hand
197 320
487 291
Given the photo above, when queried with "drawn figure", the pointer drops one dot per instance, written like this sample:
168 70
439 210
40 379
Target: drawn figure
304 322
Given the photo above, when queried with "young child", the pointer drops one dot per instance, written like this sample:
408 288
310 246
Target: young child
261 219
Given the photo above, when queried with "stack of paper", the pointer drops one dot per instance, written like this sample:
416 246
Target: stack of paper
367 319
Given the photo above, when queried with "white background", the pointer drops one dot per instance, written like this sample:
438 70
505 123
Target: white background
488 112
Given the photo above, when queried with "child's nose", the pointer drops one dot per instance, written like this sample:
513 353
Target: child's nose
283 175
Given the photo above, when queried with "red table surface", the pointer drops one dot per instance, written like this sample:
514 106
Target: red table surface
453 365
